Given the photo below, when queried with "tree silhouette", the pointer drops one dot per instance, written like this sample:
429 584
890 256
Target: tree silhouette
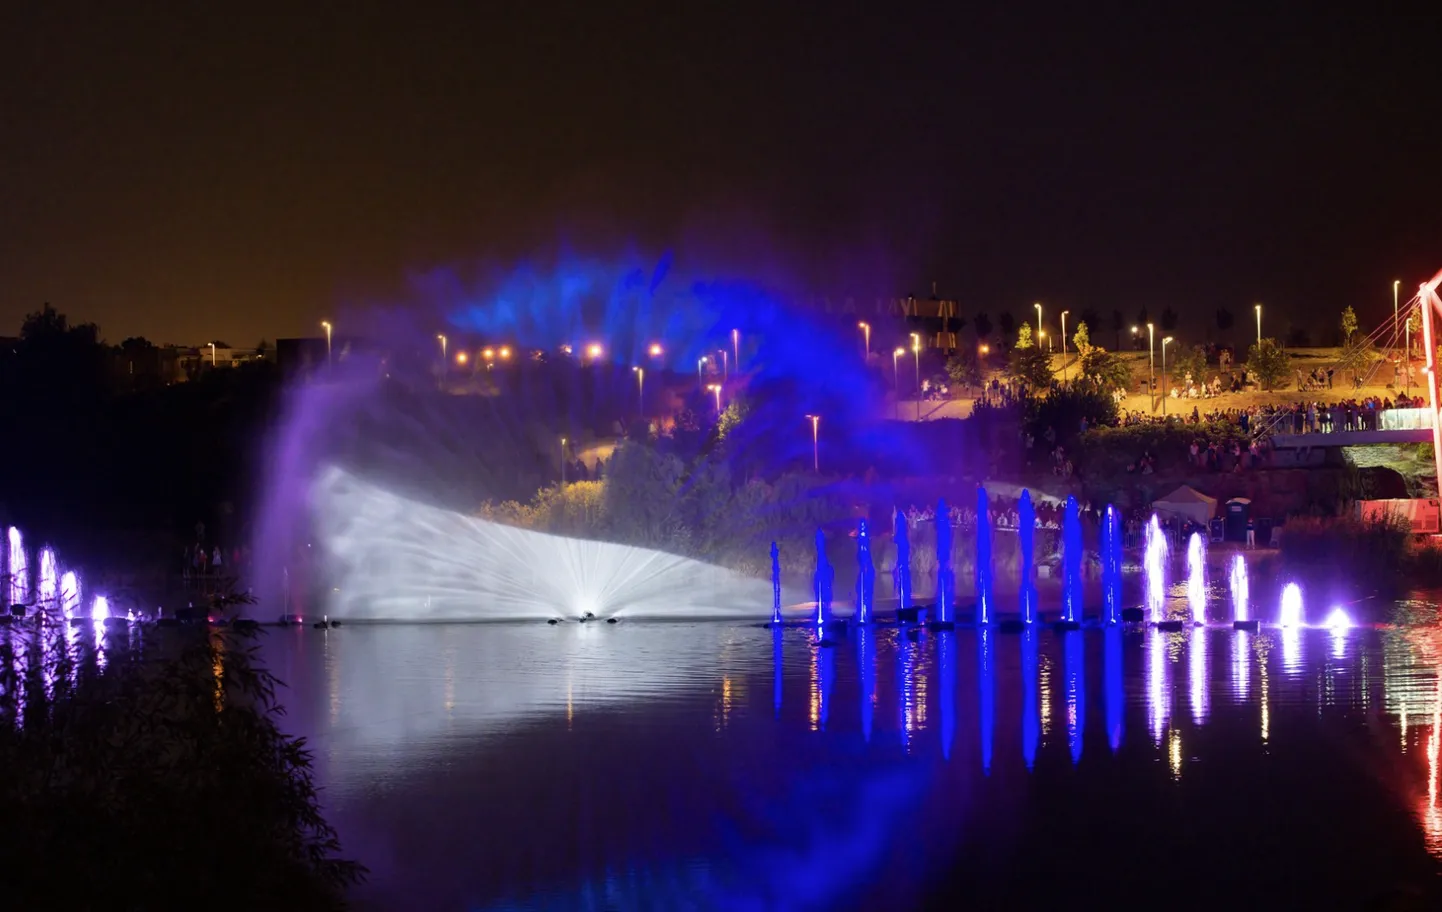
1091 318
982 324
1118 324
1008 326
1143 318
1169 319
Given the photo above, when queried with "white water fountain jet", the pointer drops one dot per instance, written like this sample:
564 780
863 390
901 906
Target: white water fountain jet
48 586
1154 569
1290 614
1241 595
100 610
69 593
398 559
1197 578
1339 623
19 591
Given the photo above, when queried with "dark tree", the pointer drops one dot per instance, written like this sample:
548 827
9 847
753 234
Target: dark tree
1169 319
1008 327
1224 319
1118 324
1092 319
982 324
1143 318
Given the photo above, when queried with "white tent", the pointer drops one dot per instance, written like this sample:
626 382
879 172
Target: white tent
1188 503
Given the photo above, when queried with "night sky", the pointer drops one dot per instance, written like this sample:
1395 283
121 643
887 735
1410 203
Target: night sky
193 172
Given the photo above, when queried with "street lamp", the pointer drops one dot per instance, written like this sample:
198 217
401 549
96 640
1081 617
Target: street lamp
593 350
700 363
1164 373
1135 330
985 349
1152 364
1259 327
916 350
326 324
1063 344
1396 283
1041 334
815 443
655 350
736 347
1038 321
866 332
462 357
212 353
896 377
716 388
505 352
563 462
640 390
442 338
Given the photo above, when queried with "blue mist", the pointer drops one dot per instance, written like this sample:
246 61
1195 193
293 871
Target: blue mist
1071 563
1074 667
986 670
822 581
775 584
866 659
1111 554
983 558
1030 682
865 575
902 573
946 663
1112 675
1026 540
945 577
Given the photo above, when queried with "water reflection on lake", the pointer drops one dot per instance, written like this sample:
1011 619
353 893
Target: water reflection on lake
668 766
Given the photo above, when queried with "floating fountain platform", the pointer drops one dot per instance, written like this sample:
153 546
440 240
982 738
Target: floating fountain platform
1065 626
908 615
552 621
1251 626
1170 626
18 610
1013 625
612 621
941 625
1133 615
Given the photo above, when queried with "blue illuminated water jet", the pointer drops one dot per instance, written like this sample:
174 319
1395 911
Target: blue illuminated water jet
865 575
821 582
1074 666
983 557
902 571
866 662
1115 696
1071 611
1026 540
986 670
946 666
1030 683
1111 555
945 576
775 584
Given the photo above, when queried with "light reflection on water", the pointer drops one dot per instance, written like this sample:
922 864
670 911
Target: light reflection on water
632 763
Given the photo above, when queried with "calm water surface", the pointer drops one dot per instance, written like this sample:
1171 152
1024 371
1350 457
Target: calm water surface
721 766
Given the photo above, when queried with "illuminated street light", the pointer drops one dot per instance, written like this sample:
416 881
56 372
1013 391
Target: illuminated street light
736 347
725 364
815 443
640 389
701 363
655 350
505 353
1164 373
1152 365
326 324
896 378
716 388
488 353
1041 334
1038 320
462 357
1063 344
1259 325
986 349
593 350
442 338
916 350
866 333
563 462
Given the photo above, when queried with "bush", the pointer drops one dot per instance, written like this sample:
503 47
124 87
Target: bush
1109 450
138 782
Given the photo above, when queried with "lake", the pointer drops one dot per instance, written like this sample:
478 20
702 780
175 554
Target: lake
717 765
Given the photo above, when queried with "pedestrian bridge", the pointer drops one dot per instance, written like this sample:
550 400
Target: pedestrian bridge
1394 426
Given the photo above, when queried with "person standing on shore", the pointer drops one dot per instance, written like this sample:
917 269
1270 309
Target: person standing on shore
1251 534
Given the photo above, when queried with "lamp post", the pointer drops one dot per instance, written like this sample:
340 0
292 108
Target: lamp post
1396 283
1135 330
716 388
700 363
1038 321
1259 326
640 390
1063 344
815 443
866 334
326 324
212 354
563 462
1041 334
916 350
896 378
725 364
655 350
441 337
1164 373
1152 364
736 347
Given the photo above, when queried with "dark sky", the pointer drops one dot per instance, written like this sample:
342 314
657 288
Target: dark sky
197 171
